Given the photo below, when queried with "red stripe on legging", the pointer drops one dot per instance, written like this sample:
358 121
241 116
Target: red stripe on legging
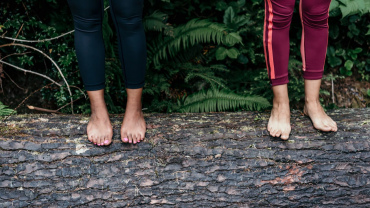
327 42
269 43
302 39
264 40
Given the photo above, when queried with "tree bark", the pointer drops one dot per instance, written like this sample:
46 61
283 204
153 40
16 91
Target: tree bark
186 160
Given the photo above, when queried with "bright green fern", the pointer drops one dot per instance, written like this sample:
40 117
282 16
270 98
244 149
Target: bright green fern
5 111
215 100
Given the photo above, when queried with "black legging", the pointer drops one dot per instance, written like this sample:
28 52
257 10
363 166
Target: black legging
127 16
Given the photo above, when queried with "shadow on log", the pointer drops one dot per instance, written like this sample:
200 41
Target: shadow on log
187 160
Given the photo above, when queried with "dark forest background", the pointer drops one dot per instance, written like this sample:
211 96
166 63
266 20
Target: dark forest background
202 56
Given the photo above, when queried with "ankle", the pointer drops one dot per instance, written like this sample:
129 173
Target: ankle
280 102
99 114
311 101
134 106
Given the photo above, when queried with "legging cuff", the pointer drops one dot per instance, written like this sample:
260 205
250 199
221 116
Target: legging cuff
312 75
94 87
280 81
135 86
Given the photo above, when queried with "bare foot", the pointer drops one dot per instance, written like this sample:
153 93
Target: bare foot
279 123
320 120
133 126
99 129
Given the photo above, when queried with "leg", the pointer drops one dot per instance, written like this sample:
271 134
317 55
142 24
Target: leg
127 16
133 126
87 16
313 108
99 129
279 122
314 16
278 15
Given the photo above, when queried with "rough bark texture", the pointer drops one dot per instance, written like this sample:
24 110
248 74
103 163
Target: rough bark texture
187 160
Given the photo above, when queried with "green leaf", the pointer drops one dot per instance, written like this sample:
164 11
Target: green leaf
357 50
334 31
233 38
241 3
233 53
221 6
348 64
349 73
221 53
229 16
243 59
334 61
333 5
350 7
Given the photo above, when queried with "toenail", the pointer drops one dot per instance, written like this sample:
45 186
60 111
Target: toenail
106 141
125 139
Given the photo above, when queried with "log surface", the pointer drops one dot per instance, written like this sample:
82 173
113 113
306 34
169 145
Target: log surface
187 160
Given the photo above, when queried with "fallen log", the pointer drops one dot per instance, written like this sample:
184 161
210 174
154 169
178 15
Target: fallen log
186 160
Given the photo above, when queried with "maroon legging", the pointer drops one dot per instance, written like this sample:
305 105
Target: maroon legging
278 16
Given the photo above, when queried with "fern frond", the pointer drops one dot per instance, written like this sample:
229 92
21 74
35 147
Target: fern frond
155 22
206 74
209 78
214 100
185 36
189 54
4 110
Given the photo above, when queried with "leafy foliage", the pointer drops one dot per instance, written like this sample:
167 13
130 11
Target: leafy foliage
215 100
4 110
202 55
351 7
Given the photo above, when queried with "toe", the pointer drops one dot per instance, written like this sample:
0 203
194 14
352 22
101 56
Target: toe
107 141
273 132
94 139
134 139
130 140
285 135
278 134
268 128
324 128
124 137
334 125
98 141
102 138
142 136
89 137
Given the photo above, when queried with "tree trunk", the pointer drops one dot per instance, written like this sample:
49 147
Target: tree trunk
186 160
